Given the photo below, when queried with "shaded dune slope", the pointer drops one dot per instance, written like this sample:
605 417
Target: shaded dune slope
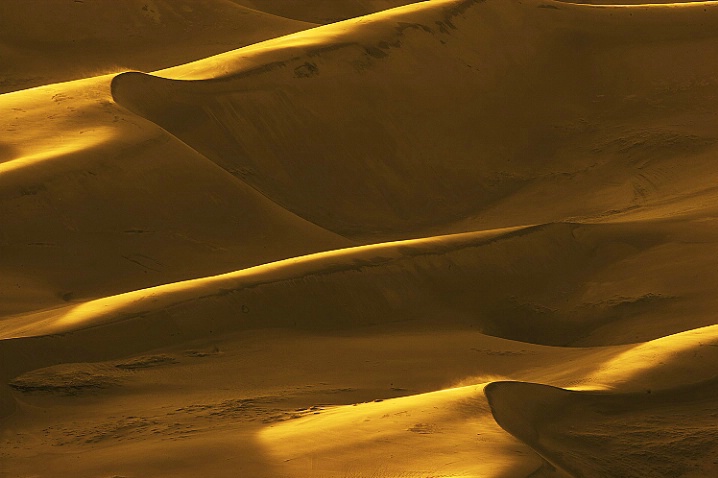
537 284
43 44
591 434
322 11
496 111
632 3
96 201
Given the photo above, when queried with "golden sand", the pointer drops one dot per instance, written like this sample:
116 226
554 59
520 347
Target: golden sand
358 238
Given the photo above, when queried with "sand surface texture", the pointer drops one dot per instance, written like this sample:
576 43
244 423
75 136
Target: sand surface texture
358 239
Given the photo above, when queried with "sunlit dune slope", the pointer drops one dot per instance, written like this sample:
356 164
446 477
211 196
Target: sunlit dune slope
671 410
480 113
44 42
190 393
404 435
262 400
322 11
186 387
95 201
556 284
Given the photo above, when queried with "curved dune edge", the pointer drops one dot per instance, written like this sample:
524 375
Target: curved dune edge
556 284
456 281
92 38
138 303
404 436
83 178
455 422
563 427
667 433
283 47
527 162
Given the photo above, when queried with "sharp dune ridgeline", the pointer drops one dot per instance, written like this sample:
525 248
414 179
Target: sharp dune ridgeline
358 238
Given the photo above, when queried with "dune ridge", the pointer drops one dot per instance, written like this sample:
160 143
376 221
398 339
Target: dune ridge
106 37
393 164
93 183
566 428
481 261
452 238
322 11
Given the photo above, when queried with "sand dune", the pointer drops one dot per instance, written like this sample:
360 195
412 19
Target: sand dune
96 201
592 435
453 238
75 39
517 136
322 11
542 284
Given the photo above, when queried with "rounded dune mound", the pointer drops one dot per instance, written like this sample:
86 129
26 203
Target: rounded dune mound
48 43
592 434
446 113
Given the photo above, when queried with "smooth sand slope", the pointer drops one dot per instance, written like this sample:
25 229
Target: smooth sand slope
501 111
95 200
455 238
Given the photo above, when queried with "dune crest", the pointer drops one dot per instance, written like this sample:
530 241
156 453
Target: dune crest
322 11
107 37
591 434
556 137
89 196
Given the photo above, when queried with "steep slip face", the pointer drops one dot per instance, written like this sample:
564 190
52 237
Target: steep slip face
452 110
48 42
588 434
95 201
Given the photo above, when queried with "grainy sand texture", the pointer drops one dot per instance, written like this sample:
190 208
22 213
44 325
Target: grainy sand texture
358 239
